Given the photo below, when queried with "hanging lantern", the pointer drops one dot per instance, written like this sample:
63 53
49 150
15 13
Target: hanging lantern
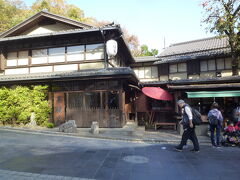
112 47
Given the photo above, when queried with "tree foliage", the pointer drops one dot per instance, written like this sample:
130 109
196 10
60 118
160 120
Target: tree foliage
146 52
223 18
61 7
13 12
17 104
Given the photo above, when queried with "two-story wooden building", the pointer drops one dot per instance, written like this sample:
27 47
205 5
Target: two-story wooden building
84 83
198 71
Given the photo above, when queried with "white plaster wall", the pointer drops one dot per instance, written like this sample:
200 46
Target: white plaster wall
11 63
91 66
207 74
226 73
69 67
55 59
193 77
41 69
164 78
95 55
75 57
23 61
178 76
149 80
39 60
16 71
47 29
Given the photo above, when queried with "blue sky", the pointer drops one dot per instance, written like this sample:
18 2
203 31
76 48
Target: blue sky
150 20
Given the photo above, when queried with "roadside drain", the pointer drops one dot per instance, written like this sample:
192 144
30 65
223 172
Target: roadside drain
136 159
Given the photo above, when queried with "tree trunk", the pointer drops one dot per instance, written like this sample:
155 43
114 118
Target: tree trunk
234 64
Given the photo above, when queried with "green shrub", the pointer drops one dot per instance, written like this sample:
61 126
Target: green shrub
17 104
49 125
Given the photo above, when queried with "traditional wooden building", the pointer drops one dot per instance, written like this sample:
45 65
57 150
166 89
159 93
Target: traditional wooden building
198 71
84 83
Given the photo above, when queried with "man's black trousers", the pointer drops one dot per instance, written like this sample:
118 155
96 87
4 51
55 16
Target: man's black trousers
189 133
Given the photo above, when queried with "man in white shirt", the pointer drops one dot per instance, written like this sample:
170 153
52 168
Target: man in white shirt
188 127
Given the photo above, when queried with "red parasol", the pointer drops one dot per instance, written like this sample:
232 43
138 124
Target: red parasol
157 93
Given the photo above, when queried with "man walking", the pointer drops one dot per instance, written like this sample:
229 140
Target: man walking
188 127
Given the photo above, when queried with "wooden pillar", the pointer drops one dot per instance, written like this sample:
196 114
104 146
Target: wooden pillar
176 95
2 61
50 101
59 108
122 105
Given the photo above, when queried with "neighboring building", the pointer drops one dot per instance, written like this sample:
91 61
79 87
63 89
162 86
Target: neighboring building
70 57
186 69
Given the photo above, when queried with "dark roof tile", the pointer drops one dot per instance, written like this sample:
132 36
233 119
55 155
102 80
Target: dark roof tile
70 74
194 49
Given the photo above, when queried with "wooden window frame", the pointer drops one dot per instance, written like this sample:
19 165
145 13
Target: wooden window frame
216 69
17 59
137 68
177 68
52 63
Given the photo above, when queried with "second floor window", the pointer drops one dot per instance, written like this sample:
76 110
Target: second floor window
40 56
75 53
150 72
56 55
19 58
94 51
177 68
213 65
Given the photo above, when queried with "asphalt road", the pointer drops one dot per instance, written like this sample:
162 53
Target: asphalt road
39 156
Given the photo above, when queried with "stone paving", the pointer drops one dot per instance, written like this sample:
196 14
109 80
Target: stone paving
39 156
4 174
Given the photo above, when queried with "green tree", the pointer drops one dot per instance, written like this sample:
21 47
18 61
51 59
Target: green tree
61 7
17 104
145 51
223 18
11 13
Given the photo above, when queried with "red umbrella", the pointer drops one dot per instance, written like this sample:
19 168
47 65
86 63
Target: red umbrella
157 93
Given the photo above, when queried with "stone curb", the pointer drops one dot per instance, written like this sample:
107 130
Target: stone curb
136 140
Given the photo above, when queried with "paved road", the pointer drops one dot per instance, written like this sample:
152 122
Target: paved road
36 156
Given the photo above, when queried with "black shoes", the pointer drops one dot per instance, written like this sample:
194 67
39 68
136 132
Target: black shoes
178 149
194 150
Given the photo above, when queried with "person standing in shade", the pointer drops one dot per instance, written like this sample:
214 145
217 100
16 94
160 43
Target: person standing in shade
236 114
215 120
188 127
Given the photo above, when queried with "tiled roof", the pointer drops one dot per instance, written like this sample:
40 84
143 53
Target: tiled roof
193 81
71 31
146 59
71 74
194 49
